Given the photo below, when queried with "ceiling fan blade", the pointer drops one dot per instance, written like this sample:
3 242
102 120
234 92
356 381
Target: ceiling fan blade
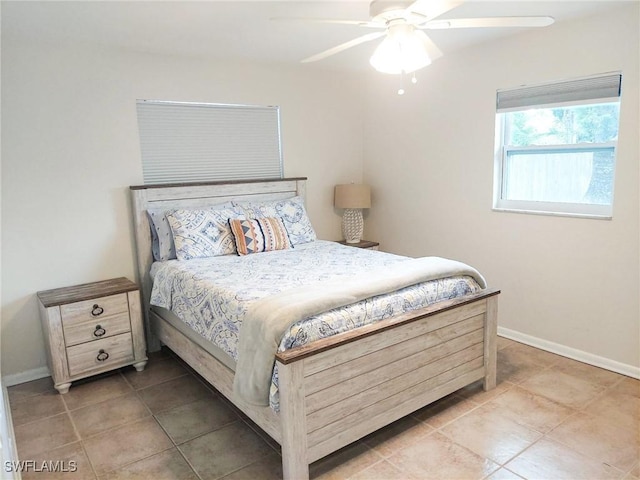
360 23
489 22
351 43
431 9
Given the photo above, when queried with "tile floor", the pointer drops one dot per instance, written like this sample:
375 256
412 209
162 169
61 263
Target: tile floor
549 418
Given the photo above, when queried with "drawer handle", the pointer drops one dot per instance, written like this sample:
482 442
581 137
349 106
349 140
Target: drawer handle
99 331
97 310
102 356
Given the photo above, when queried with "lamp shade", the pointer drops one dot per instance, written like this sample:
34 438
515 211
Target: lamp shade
404 50
352 195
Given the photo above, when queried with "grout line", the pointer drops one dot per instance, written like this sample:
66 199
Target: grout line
139 459
177 445
166 380
126 380
437 429
479 455
245 466
37 419
115 427
80 439
382 460
269 441
193 469
11 397
580 454
597 397
524 449
200 434
112 374
124 465
196 436
137 393
397 467
77 440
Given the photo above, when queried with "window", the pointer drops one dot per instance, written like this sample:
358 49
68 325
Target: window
193 142
556 146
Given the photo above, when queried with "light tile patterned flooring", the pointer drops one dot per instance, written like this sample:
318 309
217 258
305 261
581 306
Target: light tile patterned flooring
549 418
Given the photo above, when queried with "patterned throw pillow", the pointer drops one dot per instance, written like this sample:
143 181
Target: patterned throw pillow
291 211
162 244
259 235
202 233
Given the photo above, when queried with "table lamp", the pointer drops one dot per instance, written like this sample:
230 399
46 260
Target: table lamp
353 198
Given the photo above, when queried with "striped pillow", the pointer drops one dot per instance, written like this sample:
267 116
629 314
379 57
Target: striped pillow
259 235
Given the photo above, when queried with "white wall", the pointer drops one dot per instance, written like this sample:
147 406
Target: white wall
70 151
429 159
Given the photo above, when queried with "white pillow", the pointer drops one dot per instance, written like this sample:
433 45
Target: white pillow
161 237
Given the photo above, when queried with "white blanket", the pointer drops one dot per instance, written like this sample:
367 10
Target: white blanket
269 318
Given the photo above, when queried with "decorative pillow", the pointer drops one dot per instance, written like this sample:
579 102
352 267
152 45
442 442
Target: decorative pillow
162 244
202 233
291 211
259 235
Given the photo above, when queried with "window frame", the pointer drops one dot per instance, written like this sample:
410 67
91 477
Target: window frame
502 150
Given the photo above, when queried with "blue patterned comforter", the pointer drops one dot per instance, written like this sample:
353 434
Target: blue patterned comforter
211 295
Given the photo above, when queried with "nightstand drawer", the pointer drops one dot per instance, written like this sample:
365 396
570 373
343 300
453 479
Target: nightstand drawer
93 355
81 332
94 309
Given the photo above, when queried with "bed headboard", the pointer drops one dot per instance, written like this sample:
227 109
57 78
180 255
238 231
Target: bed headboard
194 195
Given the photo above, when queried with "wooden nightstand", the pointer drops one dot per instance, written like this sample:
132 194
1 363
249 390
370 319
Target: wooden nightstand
92 328
362 244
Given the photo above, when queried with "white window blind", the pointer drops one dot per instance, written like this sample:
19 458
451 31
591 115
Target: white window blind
192 142
601 87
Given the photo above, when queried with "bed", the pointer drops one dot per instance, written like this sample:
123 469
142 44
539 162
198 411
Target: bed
332 390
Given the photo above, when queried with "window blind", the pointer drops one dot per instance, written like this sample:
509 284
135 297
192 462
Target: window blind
596 88
189 142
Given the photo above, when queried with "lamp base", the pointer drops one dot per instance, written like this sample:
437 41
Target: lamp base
352 225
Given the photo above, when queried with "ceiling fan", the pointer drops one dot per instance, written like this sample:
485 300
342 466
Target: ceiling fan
406 48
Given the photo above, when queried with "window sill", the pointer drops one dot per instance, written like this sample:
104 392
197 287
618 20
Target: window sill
553 214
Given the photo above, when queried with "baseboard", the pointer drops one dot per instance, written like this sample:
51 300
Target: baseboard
22 377
8 450
574 353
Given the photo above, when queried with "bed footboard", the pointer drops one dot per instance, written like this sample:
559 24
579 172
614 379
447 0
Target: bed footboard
341 389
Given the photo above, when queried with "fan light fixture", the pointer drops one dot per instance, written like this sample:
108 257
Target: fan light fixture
403 50
406 48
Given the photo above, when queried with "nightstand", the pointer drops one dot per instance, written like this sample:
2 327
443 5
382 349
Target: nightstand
92 328
362 244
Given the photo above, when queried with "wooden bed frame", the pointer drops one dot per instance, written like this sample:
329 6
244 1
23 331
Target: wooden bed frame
336 390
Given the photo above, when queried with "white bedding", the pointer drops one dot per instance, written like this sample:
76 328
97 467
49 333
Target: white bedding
212 295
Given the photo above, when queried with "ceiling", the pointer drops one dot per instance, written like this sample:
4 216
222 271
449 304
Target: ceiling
242 30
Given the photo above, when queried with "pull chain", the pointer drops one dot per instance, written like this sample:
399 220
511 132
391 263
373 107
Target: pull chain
414 80
401 89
